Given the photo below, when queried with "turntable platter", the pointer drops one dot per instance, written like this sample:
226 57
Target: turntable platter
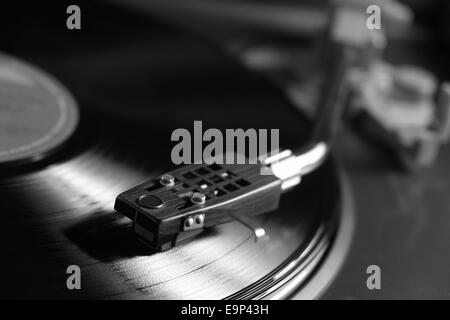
60 213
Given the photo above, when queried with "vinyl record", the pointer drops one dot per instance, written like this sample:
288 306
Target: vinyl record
59 212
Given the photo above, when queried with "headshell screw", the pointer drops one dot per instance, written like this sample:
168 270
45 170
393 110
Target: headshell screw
199 219
198 198
167 180
189 222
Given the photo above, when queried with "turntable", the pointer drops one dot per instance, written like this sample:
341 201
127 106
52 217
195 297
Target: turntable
87 116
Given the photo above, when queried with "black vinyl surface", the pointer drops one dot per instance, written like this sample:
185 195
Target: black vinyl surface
135 82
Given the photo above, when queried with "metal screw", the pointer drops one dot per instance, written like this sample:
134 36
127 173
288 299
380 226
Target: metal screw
199 219
198 198
167 180
189 222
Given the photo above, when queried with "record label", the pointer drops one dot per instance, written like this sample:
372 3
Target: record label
37 114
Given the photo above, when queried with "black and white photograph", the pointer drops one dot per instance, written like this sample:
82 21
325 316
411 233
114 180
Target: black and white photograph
206 150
